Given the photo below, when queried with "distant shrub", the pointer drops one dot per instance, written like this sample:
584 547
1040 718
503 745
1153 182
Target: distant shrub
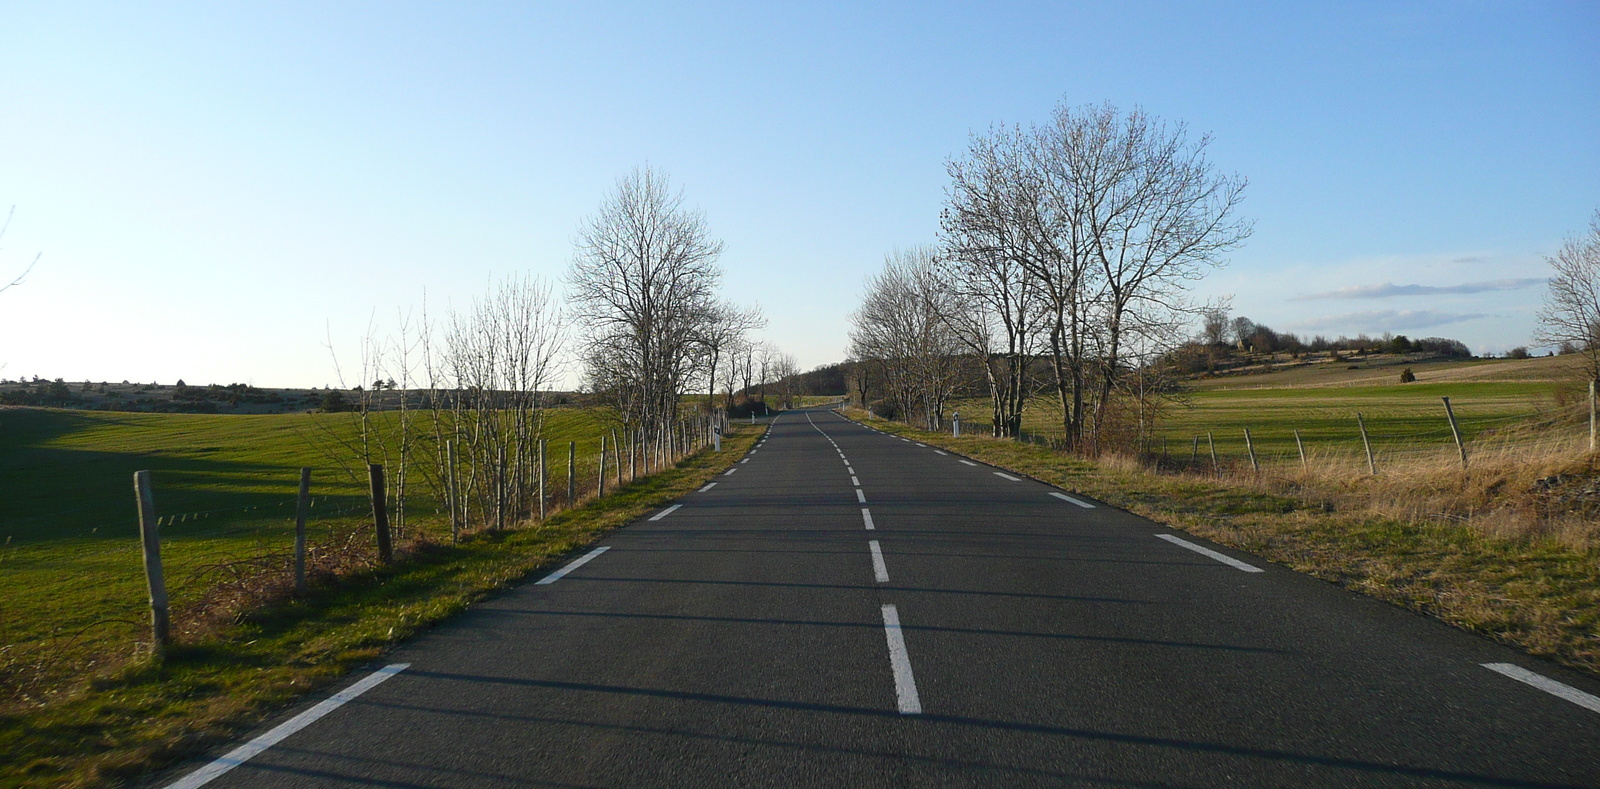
1406 376
1519 352
333 401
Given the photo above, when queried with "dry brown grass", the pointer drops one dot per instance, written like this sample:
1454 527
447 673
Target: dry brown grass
1515 486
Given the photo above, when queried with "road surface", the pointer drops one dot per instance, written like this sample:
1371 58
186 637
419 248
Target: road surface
847 608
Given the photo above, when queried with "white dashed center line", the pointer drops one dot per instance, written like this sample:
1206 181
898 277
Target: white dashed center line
880 571
1004 475
970 463
854 481
664 513
1207 552
709 486
730 471
1064 497
937 452
1546 684
866 517
905 685
861 498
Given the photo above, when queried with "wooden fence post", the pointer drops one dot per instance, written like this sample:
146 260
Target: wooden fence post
1216 467
1251 448
1304 466
155 581
301 504
1455 432
380 512
1372 465
572 474
1194 454
600 488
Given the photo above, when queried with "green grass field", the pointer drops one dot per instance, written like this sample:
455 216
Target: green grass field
1492 399
71 580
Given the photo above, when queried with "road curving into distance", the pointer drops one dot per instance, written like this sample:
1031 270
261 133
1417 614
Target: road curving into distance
848 608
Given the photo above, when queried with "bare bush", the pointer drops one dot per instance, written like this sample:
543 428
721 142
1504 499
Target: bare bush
1570 317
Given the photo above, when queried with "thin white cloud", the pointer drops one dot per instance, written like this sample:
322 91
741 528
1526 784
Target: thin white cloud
1379 321
1389 289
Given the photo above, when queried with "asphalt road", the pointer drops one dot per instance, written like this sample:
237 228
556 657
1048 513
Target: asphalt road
983 631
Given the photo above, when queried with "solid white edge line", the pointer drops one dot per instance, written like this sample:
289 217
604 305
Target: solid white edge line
866 517
1204 551
709 486
1558 689
1004 475
664 513
905 685
249 750
575 564
970 463
1064 497
880 571
861 498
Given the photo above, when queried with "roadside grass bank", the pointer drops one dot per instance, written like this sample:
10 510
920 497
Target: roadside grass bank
129 722
1536 589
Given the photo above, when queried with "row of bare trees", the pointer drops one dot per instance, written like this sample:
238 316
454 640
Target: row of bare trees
642 318
1071 242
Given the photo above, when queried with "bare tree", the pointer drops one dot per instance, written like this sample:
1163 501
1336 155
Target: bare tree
735 373
18 279
900 327
1570 316
786 372
1241 329
1214 324
721 332
642 283
1151 212
998 309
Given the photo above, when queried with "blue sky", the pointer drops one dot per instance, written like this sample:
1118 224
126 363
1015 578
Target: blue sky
219 188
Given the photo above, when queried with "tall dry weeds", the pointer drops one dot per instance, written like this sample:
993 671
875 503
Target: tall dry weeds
1524 484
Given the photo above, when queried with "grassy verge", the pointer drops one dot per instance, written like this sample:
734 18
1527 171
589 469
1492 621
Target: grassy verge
1529 590
145 715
